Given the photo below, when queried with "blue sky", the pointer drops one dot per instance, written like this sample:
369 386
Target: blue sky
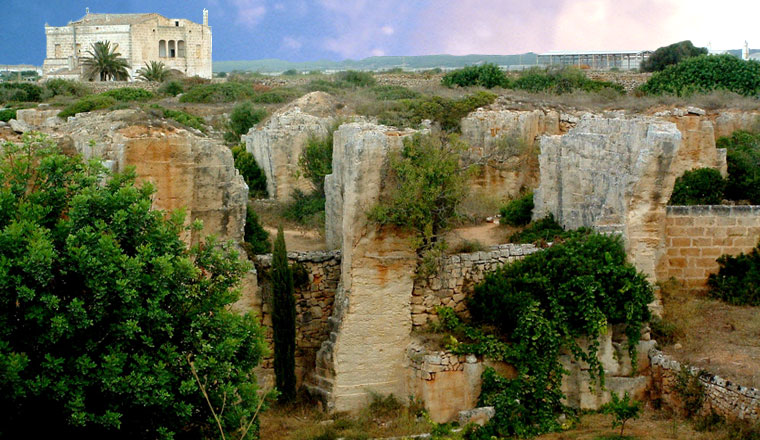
300 30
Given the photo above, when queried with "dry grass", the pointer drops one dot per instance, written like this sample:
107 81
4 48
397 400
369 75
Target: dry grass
720 338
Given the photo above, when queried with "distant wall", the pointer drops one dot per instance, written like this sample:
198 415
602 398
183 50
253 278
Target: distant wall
695 236
100 87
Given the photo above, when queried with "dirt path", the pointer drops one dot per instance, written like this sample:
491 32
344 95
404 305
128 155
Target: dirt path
487 234
300 240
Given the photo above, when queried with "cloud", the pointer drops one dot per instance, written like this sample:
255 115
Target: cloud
249 12
387 30
378 52
291 43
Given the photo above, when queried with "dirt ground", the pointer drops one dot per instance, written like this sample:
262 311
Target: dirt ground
300 239
487 234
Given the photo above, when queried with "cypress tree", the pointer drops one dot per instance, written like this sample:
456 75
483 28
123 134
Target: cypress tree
283 321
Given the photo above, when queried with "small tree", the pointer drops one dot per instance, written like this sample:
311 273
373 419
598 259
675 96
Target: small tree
253 175
244 116
105 63
256 237
669 55
283 320
154 72
316 161
623 410
702 186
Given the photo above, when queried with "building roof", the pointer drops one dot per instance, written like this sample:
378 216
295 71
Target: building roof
755 56
115 19
592 52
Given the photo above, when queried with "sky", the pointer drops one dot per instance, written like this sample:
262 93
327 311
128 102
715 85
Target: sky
303 30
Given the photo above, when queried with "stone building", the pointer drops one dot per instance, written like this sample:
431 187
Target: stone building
182 45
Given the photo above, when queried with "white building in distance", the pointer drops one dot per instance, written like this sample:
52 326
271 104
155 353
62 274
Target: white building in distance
182 45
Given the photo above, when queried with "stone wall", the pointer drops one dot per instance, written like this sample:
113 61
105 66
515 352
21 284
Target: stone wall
314 304
695 236
100 87
456 279
722 396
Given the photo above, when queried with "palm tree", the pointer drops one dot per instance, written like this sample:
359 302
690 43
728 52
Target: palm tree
105 63
155 71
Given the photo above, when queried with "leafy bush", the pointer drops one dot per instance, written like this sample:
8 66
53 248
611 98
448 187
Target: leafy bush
743 156
255 236
518 212
691 391
253 175
540 231
703 186
275 96
305 208
622 409
738 279
183 118
129 94
323 85
705 73
669 55
446 112
356 79
316 160
393 93
244 116
65 87
87 104
564 80
486 75
20 92
103 309
216 93
172 88
7 114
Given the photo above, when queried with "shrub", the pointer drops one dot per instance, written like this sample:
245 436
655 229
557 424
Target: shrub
540 231
691 391
275 96
253 175
283 320
705 73
518 212
448 113
65 87
172 88
316 160
255 236
564 80
738 279
7 114
323 85
622 409
486 75
356 79
307 209
103 307
290 72
703 186
20 92
87 104
669 55
393 93
743 157
129 94
244 116
216 93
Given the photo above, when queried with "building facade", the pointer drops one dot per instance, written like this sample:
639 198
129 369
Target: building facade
182 45
597 60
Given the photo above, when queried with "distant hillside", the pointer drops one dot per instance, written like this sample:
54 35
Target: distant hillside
375 63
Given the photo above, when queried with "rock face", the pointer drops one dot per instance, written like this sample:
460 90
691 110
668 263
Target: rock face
728 122
37 118
371 321
188 171
278 144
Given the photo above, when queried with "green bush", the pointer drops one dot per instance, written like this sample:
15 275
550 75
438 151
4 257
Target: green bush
690 390
540 231
105 312
446 112
283 320
738 279
244 116
255 236
743 157
129 94
316 160
183 118
172 88
7 114
393 93
253 175
702 186
87 104
65 87
275 96
704 74
20 92
356 79
560 81
216 93
669 55
518 212
323 85
486 75
307 209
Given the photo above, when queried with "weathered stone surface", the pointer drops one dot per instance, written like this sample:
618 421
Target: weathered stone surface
37 118
19 126
278 143
479 416
728 122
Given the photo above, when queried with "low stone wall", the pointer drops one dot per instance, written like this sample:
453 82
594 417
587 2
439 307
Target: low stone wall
457 277
100 87
728 399
314 303
695 236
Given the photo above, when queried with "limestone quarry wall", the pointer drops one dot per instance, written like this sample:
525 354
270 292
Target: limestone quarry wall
730 400
695 236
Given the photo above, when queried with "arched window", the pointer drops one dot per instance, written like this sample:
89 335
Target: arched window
172 49
162 48
181 48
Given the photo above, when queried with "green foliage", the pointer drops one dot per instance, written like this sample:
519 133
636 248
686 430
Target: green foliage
669 55
424 186
559 81
485 75
244 116
283 320
550 301
183 118
705 73
316 160
690 390
623 410
255 237
702 186
738 279
665 332
275 96
216 93
20 92
65 87
7 114
518 212
541 231
102 304
155 71
104 63
307 209
290 72
743 157
249 169
129 94
446 112
87 104
172 88
393 93
355 78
